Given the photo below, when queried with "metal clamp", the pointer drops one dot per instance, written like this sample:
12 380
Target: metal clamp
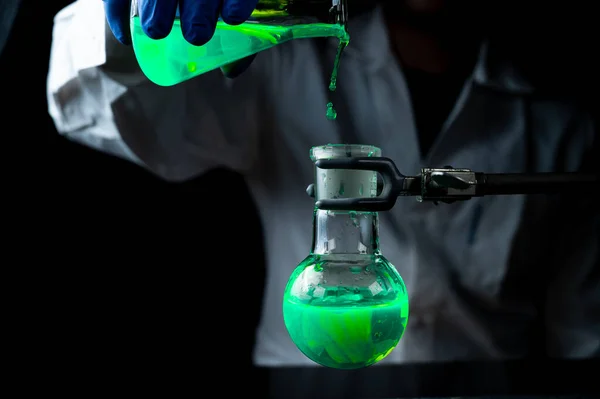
339 10
395 184
448 184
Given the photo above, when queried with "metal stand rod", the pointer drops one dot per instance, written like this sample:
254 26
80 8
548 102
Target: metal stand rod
536 183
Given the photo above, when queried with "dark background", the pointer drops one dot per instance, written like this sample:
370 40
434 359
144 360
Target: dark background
153 286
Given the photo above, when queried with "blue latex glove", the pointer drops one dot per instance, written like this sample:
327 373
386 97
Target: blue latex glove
198 20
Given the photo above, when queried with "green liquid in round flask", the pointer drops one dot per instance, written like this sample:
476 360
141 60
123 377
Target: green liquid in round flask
172 60
345 306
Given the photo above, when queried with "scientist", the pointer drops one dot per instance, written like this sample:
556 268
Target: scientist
491 278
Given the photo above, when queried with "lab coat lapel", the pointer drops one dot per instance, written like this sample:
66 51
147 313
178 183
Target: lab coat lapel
470 116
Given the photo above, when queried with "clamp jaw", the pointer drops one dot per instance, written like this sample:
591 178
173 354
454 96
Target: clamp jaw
448 184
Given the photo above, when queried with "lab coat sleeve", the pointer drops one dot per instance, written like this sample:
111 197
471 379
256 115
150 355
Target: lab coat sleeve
176 132
573 297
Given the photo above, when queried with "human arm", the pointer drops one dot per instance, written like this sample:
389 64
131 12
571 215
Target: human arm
97 98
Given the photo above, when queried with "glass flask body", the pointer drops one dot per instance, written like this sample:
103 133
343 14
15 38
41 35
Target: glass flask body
172 60
345 306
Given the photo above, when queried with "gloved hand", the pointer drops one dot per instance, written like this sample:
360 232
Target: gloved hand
198 20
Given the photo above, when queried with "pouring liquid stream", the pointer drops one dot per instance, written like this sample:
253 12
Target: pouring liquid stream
331 113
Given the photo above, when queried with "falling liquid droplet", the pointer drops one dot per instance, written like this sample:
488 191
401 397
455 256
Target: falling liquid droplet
331 112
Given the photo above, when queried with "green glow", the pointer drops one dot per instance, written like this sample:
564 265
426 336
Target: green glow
336 64
172 60
331 112
341 325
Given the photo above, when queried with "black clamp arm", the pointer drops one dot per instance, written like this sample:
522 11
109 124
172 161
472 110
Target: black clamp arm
449 184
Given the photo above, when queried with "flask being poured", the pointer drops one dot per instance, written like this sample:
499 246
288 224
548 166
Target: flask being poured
172 60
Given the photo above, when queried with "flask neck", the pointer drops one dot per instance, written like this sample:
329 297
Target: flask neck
345 232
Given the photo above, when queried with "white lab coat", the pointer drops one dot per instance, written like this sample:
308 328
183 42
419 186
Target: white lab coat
459 261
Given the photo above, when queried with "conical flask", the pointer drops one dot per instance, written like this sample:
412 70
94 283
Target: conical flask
345 306
172 60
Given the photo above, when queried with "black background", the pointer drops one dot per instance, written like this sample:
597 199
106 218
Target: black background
150 286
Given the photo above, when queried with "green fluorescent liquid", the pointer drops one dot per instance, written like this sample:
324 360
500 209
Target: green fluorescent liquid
336 64
346 327
172 60
331 113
